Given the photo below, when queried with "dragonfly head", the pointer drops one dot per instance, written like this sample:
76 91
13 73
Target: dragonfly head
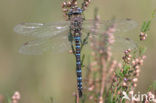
75 11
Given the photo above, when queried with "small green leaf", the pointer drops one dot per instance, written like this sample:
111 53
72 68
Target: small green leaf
121 74
143 26
125 69
142 50
83 57
85 39
83 98
146 24
154 85
117 72
9 100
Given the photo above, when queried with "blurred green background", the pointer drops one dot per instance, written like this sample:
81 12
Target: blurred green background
53 75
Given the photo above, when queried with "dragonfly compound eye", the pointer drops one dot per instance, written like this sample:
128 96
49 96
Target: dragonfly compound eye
75 11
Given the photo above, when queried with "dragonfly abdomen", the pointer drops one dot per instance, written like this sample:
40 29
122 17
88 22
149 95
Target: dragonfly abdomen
78 64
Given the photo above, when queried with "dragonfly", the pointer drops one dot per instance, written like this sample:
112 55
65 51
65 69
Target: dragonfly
55 36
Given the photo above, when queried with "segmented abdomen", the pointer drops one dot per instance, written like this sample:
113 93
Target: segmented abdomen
78 64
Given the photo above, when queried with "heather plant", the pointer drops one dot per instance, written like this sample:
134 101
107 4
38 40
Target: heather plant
107 79
15 98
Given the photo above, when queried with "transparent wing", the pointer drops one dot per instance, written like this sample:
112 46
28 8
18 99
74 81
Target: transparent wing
41 30
39 46
121 44
122 25
117 44
122 40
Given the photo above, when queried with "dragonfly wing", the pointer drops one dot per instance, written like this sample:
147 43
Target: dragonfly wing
117 43
39 46
122 25
121 44
92 26
42 30
125 25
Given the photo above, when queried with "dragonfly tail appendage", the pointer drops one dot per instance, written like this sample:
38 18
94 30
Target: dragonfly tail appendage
78 65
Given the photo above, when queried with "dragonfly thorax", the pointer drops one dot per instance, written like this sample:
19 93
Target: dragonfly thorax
76 25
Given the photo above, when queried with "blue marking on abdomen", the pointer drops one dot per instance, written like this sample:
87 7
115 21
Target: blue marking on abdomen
78 62
77 38
80 87
79 78
79 71
78 46
80 83
77 54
